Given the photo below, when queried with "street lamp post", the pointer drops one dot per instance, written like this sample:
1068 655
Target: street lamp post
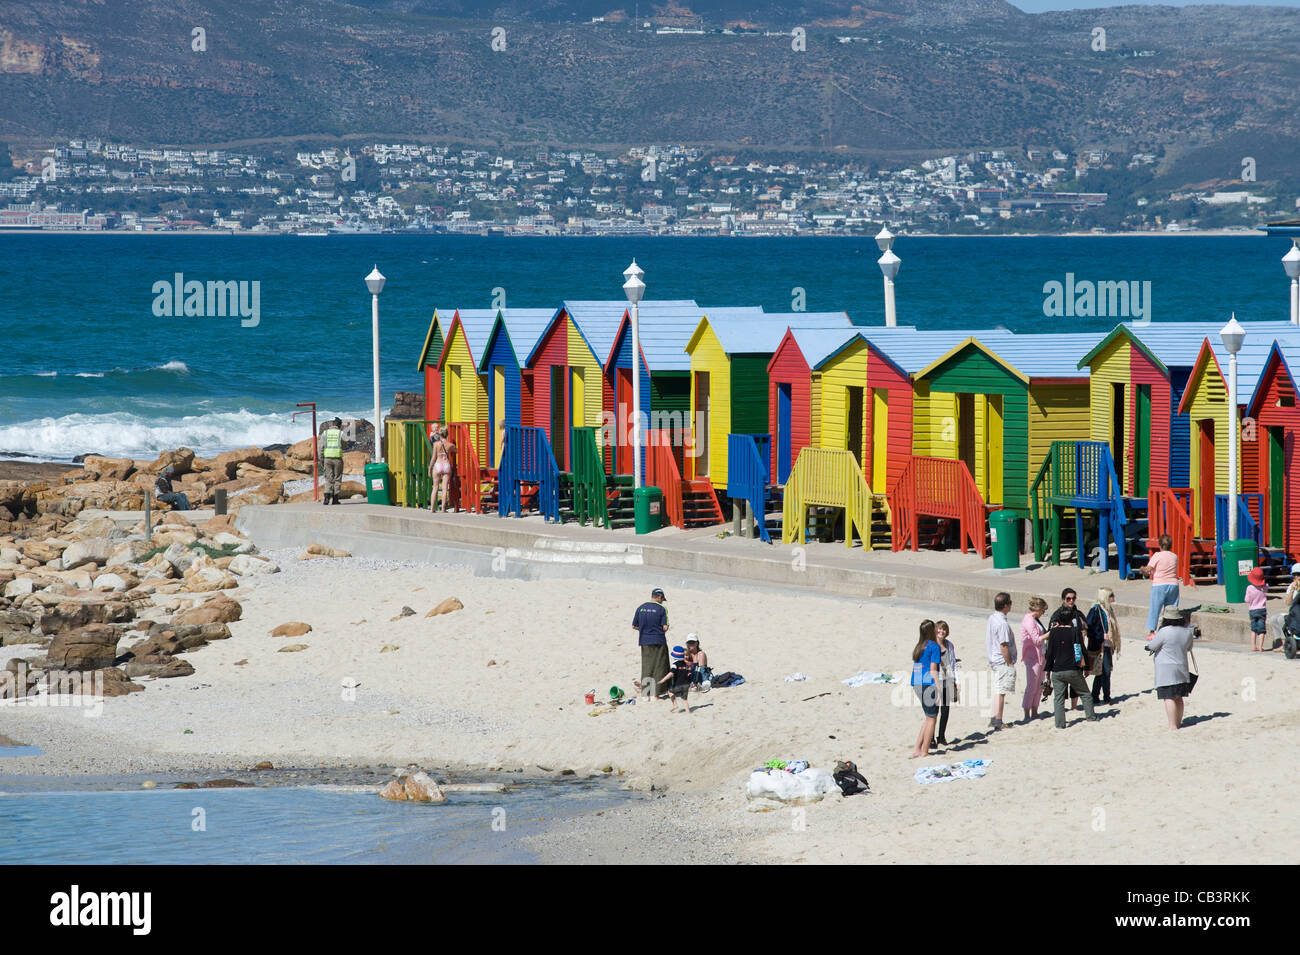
634 288
1291 262
375 283
1232 336
889 263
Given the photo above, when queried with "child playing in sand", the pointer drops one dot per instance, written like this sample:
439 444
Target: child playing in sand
680 675
1256 598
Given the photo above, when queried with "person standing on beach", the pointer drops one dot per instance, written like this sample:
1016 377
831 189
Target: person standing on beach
1103 638
651 622
440 469
1257 606
948 666
1031 651
1000 647
927 657
1162 568
1069 611
1170 649
1063 660
331 453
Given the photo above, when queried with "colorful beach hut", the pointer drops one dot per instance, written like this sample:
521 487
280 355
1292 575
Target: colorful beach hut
465 390
509 390
1273 419
729 352
427 364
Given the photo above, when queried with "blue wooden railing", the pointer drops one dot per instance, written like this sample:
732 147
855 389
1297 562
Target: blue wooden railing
1250 523
749 459
1080 475
526 456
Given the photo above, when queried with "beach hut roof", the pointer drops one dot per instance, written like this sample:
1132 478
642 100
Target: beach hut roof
522 327
1173 344
476 323
749 330
665 327
441 316
1026 356
598 322
1288 355
1251 360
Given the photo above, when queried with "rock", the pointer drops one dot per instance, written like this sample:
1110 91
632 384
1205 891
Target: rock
226 784
130 552
94 549
421 787
79 579
246 565
209 579
450 605
117 683
102 526
74 614
395 791
160 669
69 500
320 550
110 582
292 648
294 628
19 619
159 567
220 609
354 462
181 461
92 647
180 556
44 550
266 492
264 764
229 462
389 648
217 524
109 469
10 555
241 545
19 586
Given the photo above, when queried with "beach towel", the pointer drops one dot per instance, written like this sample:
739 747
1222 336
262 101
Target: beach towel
727 679
966 769
795 678
863 677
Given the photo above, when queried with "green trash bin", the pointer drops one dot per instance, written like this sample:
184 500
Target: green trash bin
648 509
378 489
1238 559
1004 530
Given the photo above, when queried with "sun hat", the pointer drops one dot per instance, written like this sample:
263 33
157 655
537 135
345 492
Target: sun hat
692 636
678 653
1173 614
1256 576
1295 570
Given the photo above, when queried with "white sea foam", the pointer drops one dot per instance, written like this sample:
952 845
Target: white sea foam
121 434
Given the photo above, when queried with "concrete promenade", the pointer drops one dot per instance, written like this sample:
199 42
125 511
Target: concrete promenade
529 548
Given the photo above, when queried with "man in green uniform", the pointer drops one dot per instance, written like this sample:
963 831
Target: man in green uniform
331 452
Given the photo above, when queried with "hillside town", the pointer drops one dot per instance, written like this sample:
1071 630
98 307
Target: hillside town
90 185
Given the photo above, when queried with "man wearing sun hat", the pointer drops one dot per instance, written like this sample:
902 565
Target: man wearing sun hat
651 622
1276 621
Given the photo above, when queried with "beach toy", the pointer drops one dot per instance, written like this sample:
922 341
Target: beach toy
591 697
615 693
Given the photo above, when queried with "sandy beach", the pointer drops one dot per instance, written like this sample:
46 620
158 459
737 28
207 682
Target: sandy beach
498 687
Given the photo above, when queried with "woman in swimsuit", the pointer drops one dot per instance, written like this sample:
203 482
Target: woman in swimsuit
440 470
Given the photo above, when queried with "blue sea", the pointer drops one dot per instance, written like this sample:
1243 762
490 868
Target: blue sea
44 821
87 366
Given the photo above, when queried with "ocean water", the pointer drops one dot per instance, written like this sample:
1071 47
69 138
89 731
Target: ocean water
87 366
59 822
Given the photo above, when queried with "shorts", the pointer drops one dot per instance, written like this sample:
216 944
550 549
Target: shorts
1004 678
1259 620
680 690
1175 691
929 697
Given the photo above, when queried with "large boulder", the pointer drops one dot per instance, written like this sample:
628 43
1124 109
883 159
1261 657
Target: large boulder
229 462
85 648
354 462
108 469
300 451
10 555
266 492
117 683
130 552
181 461
69 614
71 499
159 669
180 556
19 587
246 565
95 549
220 609
44 551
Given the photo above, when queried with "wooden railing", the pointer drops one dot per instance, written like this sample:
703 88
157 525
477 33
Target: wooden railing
748 474
1078 475
468 473
1250 524
825 477
937 487
589 500
661 472
526 457
1169 512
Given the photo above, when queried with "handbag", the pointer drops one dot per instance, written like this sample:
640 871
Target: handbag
1192 675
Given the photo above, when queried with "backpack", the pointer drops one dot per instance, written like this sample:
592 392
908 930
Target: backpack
728 679
849 780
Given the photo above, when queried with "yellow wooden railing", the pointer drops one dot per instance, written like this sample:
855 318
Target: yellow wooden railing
824 477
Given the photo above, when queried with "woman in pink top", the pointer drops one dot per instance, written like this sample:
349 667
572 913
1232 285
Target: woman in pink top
1031 652
1162 568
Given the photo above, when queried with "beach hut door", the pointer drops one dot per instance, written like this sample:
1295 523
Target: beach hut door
995 449
1276 486
559 424
782 431
498 411
625 411
879 439
853 421
1117 430
966 430
1205 487
702 424
1142 442
453 394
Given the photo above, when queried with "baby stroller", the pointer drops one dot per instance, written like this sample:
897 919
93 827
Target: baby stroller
1291 631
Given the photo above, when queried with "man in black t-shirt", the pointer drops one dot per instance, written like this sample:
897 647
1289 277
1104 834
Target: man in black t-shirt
651 622
1063 662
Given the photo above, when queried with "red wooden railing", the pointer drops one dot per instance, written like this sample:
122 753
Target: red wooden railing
468 474
937 487
661 472
1169 512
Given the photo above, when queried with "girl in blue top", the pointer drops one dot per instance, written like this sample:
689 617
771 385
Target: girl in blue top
926 656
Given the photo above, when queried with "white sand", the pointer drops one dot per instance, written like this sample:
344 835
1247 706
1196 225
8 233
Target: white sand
1121 790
